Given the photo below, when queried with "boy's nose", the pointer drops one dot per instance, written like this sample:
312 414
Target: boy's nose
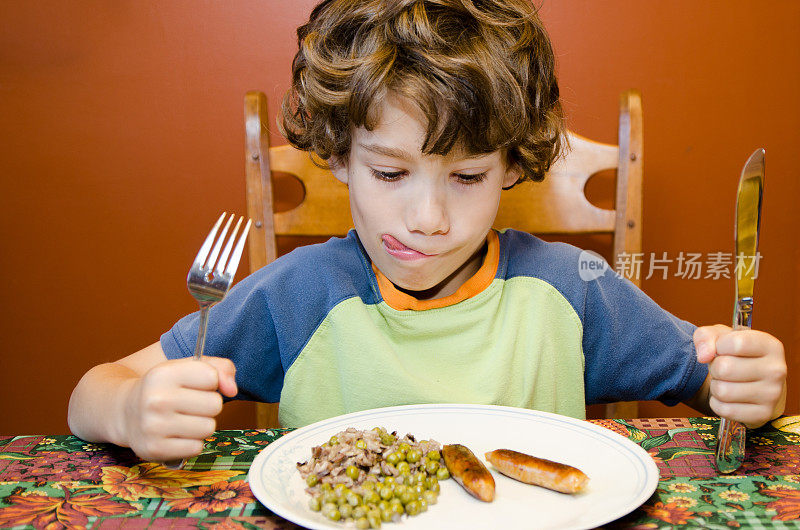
427 213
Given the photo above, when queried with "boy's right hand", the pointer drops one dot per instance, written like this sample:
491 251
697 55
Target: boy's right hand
172 407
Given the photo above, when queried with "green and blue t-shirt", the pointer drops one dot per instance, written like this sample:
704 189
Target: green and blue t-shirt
325 333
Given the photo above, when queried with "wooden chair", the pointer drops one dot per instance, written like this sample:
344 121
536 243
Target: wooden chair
559 204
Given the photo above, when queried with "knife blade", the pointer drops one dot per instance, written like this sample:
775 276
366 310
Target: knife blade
731 436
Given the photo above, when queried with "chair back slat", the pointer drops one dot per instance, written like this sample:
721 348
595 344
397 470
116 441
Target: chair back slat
325 210
558 204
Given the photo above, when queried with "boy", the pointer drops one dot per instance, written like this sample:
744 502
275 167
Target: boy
426 109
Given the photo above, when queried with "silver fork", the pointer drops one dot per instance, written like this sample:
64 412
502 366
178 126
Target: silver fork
210 278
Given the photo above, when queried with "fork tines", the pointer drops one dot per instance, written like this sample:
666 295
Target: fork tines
206 260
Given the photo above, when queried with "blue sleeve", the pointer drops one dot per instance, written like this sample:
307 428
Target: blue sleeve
241 328
634 349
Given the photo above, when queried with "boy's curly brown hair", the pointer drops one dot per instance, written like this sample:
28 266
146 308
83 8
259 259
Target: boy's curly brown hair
481 71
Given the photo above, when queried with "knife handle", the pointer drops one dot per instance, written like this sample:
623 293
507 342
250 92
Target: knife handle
743 313
731 435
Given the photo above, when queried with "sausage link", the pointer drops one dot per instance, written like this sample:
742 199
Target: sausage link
468 471
538 471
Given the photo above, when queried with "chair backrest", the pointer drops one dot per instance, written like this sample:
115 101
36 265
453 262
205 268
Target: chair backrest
559 204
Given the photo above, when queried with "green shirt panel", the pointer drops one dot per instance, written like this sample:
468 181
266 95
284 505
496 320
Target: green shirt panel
517 343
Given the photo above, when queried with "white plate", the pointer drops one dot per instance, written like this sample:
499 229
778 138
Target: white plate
622 475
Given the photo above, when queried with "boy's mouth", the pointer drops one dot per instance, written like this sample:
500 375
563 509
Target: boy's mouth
399 250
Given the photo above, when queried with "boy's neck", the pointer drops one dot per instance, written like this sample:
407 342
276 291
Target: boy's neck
451 284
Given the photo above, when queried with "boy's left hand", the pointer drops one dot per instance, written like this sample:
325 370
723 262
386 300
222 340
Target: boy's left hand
746 373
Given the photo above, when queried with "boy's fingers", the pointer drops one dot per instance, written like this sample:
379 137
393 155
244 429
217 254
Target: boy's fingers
212 373
198 402
191 427
753 392
752 415
748 343
705 340
743 369
226 375
189 373
170 449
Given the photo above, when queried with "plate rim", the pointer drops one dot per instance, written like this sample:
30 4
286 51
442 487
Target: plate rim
648 465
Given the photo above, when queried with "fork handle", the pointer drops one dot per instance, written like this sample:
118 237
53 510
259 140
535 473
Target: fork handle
200 345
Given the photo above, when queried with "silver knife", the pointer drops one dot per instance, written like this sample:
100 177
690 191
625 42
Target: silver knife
731 436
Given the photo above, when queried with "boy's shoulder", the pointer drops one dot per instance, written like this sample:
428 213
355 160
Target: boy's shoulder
578 275
337 267
528 255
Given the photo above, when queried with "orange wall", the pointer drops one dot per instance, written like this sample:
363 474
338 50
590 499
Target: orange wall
122 139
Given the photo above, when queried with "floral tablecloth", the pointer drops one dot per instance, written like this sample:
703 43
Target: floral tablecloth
63 482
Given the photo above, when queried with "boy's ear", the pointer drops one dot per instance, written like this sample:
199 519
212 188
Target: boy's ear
513 174
339 168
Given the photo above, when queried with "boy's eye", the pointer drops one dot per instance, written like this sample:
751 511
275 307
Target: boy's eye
465 178
389 176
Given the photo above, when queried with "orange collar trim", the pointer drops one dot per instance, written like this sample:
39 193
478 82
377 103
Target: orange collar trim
397 299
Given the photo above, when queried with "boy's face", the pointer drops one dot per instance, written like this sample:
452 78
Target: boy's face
423 219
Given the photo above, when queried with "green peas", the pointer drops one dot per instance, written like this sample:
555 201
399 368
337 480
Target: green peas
413 508
404 447
372 497
431 466
345 510
369 485
407 497
312 480
434 455
423 505
409 479
403 467
331 511
386 514
386 493
329 497
419 477
397 508
393 458
359 512
325 487
361 444
353 498
374 520
431 497
400 489
413 456
442 473
419 489
389 481
339 489
434 486
387 439
315 503
362 523
352 472
333 441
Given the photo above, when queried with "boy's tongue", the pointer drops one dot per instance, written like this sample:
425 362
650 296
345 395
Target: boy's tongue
393 244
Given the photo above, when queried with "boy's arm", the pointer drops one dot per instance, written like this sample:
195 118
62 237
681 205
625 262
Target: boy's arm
746 375
161 409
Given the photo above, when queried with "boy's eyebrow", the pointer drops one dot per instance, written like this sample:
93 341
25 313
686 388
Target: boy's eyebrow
396 152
